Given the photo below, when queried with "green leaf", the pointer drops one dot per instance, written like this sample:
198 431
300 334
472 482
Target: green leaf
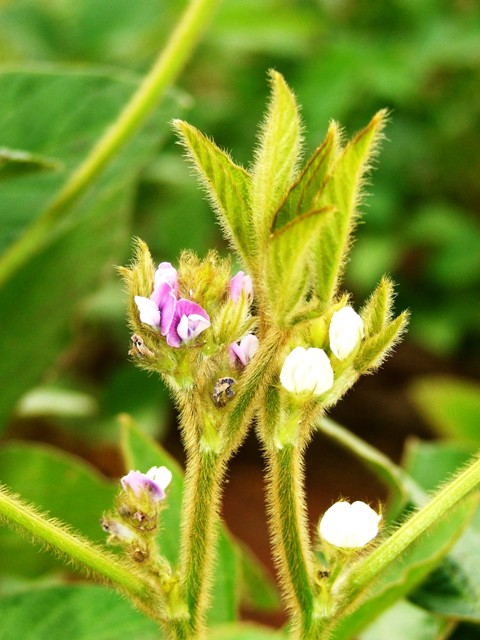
343 191
15 162
79 612
431 463
451 406
227 184
288 255
39 302
258 590
409 622
140 452
303 193
276 156
65 486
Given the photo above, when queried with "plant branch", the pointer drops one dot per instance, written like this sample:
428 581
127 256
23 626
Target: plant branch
203 483
90 558
289 527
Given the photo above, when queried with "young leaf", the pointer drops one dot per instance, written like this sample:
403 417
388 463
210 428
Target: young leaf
343 190
301 197
374 350
288 256
227 184
276 156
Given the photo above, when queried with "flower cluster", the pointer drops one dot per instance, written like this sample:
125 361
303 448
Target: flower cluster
310 370
178 319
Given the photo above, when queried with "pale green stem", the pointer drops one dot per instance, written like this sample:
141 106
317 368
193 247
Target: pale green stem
171 60
203 482
359 579
89 557
289 526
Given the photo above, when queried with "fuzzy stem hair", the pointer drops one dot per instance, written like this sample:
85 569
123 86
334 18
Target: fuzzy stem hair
203 483
289 527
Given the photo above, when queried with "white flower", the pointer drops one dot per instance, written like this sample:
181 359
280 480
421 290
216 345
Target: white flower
148 310
346 331
307 371
161 476
349 526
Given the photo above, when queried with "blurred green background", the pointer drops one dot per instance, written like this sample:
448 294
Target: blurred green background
66 375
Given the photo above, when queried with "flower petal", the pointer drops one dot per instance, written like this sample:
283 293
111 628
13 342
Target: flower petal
148 311
345 332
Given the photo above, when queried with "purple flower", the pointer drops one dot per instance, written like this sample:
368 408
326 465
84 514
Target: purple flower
245 350
241 284
166 273
158 310
188 322
155 481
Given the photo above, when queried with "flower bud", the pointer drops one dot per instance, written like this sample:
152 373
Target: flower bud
346 331
239 284
154 482
166 273
349 526
245 350
307 371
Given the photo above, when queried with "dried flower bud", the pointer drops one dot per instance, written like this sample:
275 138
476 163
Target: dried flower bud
307 371
349 526
346 331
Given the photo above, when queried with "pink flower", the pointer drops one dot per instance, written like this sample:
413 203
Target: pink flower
166 273
245 350
239 284
154 482
158 310
189 320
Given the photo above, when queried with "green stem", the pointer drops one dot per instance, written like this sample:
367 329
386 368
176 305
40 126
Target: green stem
359 579
289 527
168 65
203 482
89 557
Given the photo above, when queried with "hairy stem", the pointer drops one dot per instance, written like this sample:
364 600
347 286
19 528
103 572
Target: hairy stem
166 68
87 556
203 481
289 529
